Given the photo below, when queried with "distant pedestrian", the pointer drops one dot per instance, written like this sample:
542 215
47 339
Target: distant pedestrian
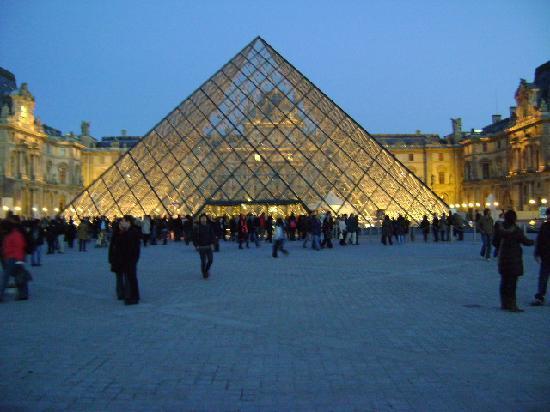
279 240
387 230
425 227
435 228
124 256
542 256
485 225
83 234
327 227
14 250
204 240
510 263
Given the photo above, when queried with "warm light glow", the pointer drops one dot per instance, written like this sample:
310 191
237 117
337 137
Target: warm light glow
452 206
44 209
257 157
478 204
464 205
55 209
495 204
470 205
532 222
5 207
543 201
34 209
487 204
17 208
249 199
532 201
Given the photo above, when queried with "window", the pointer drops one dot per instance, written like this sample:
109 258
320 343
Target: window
62 174
441 178
24 112
411 157
440 157
485 170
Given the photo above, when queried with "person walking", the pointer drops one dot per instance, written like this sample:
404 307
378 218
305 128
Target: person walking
204 240
542 256
37 235
124 258
315 227
279 240
510 263
83 234
485 225
435 228
146 229
305 222
115 260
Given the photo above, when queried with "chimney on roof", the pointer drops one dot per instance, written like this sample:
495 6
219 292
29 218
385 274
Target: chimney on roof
512 112
457 128
123 132
496 118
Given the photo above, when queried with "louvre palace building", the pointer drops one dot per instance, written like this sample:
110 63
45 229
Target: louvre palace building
259 135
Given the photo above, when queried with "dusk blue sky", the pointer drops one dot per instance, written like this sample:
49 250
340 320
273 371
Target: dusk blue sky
395 66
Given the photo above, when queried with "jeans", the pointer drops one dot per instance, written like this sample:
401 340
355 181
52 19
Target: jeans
60 243
82 245
316 242
544 273
253 236
36 253
307 238
205 253
279 244
486 246
9 270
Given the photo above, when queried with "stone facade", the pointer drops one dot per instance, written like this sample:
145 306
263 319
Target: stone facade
506 162
510 158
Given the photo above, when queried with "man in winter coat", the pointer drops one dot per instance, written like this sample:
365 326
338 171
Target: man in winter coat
204 240
542 255
486 225
510 263
124 255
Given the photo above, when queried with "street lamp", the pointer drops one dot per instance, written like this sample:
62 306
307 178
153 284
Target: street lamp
532 201
543 201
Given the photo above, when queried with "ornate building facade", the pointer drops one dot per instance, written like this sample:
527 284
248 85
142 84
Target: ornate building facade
506 162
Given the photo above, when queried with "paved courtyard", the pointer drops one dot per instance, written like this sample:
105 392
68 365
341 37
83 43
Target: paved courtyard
415 327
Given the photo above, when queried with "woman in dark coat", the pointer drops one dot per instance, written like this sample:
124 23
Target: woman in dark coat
510 237
123 256
204 240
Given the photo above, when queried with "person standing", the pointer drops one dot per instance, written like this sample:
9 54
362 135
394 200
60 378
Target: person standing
305 223
387 230
327 228
269 228
486 225
242 231
37 235
435 227
279 243
510 263
146 229
13 256
116 262
542 256
83 234
124 258
204 240
70 233
425 226
315 227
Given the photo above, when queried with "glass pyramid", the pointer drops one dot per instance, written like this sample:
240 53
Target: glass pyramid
257 131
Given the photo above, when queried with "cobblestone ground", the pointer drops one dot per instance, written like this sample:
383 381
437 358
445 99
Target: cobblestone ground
414 327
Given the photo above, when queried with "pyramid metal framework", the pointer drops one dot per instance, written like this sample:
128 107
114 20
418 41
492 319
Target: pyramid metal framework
257 129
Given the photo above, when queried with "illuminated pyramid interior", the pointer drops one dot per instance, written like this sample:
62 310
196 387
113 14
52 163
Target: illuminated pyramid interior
257 133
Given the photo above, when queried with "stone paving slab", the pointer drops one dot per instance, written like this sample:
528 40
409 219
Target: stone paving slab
413 327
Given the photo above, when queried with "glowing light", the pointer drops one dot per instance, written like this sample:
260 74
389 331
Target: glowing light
495 204
452 206
257 157
464 205
34 209
44 209
487 204
17 208
478 204
5 207
470 205
55 209
543 201
532 201
532 222
249 199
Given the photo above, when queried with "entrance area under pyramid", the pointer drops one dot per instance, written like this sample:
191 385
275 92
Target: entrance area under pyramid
257 136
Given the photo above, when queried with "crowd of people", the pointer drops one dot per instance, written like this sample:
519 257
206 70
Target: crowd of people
125 236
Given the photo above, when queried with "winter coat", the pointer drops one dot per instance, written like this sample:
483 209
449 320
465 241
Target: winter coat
485 225
124 250
542 245
425 225
14 246
510 260
203 235
315 226
84 231
146 227
387 227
